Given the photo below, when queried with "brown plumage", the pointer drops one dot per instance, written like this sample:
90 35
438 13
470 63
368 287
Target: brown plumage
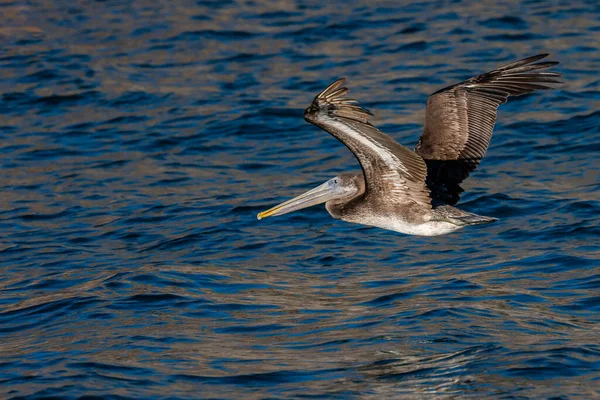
414 191
460 119
389 168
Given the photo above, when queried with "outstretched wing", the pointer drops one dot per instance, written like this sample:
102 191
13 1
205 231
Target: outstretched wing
390 170
460 119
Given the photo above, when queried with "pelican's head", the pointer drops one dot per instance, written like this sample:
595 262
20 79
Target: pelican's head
338 190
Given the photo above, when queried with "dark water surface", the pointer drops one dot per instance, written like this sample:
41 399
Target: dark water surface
138 141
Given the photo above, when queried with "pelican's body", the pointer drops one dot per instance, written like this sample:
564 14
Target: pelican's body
410 219
413 192
410 222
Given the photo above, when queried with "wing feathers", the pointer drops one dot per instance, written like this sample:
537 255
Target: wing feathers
392 172
525 61
460 119
458 127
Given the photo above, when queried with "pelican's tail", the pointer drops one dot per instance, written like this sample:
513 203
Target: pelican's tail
473 219
459 217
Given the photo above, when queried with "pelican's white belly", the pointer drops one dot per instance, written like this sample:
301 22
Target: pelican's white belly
430 228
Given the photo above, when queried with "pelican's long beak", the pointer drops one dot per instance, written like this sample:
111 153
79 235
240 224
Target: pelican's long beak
321 194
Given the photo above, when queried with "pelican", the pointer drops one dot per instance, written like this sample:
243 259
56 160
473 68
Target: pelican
414 192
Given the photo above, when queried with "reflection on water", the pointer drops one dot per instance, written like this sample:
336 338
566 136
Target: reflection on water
139 141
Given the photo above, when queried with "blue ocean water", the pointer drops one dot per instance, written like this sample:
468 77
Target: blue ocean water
138 141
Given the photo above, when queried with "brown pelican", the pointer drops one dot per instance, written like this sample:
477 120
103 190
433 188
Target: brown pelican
414 192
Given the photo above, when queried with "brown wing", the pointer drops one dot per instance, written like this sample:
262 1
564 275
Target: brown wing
460 119
390 170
